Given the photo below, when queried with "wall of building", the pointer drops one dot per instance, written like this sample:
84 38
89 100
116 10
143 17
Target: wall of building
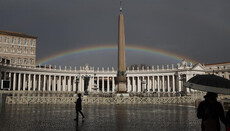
19 50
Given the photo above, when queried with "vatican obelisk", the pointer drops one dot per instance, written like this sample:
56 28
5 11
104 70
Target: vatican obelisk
121 74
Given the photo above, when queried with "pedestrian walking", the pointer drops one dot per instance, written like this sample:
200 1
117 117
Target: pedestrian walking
79 107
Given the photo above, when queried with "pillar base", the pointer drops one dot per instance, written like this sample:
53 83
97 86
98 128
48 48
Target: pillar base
121 87
122 94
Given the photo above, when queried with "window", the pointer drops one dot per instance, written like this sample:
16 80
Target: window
31 51
13 40
19 50
25 50
26 42
5 49
19 41
19 60
12 60
12 48
6 39
31 61
32 43
25 61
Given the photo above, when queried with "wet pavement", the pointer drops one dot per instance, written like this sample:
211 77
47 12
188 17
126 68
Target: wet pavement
99 117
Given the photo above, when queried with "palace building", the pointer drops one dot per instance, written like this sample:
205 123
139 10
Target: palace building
17 48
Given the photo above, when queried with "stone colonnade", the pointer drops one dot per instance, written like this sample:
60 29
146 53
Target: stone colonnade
41 82
89 80
34 81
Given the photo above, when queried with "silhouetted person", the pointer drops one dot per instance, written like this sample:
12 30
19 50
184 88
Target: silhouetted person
210 111
228 120
79 107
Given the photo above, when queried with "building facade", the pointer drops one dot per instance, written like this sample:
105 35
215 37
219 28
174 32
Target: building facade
166 79
17 48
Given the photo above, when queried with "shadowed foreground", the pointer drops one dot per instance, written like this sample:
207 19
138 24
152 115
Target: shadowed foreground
99 117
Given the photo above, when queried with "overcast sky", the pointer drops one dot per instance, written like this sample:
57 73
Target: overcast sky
198 29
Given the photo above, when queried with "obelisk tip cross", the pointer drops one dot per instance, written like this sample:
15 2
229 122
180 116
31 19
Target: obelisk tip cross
120 6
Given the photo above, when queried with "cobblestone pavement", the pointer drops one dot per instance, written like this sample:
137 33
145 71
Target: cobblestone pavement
99 117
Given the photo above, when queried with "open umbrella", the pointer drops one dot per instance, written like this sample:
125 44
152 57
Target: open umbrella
209 83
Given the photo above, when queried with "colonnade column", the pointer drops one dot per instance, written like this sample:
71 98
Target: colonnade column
44 83
153 83
138 84
69 83
10 80
64 84
173 85
92 85
187 78
149 84
59 84
142 84
98 78
34 82
168 84
29 82
24 82
74 83
179 82
79 84
107 83
103 84
14 81
128 82
82 84
113 84
133 83
89 84
54 83
39 82
19 81
158 84
163 81
49 82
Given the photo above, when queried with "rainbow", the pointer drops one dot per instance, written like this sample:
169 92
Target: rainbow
94 48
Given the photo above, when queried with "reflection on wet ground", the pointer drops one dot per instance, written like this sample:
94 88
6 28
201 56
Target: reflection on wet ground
99 117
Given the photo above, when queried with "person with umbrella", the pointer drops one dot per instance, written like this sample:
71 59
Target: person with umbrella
228 120
210 111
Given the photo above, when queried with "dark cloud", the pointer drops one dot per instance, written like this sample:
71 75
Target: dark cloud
196 29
